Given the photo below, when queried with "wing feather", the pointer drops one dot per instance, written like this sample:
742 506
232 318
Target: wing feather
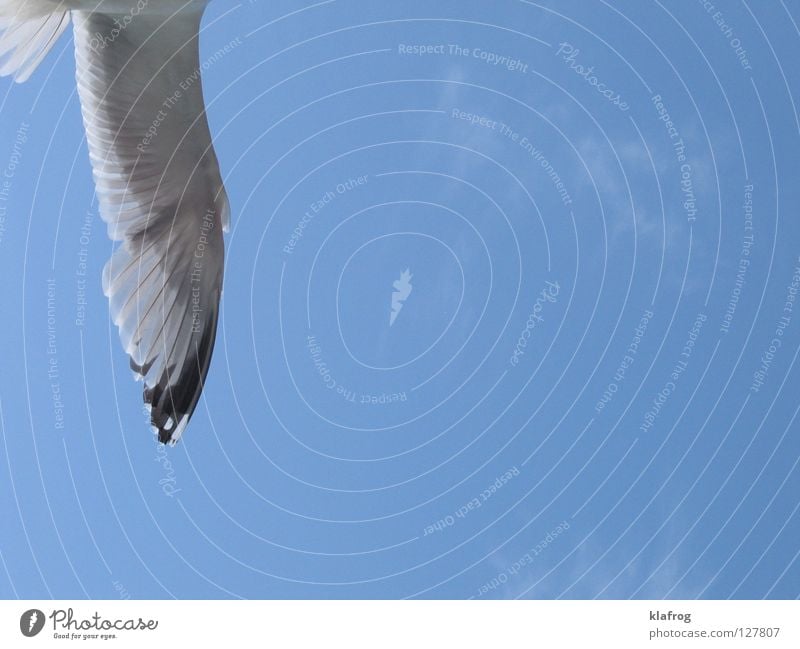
26 38
160 194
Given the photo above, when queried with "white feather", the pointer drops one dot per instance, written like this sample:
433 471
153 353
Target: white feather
161 194
157 178
28 31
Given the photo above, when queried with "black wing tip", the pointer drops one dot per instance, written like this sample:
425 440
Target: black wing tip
165 437
169 429
167 421
172 400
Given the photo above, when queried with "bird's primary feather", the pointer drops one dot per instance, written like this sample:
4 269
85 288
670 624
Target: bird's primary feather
157 178
28 32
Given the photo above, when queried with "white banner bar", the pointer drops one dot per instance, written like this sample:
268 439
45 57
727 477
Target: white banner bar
400 624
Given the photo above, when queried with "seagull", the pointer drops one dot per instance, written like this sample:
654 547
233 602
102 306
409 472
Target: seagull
156 174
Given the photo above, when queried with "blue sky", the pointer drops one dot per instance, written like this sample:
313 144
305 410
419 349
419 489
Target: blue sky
588 391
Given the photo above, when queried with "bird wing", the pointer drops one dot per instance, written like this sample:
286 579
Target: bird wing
27 33
161 194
